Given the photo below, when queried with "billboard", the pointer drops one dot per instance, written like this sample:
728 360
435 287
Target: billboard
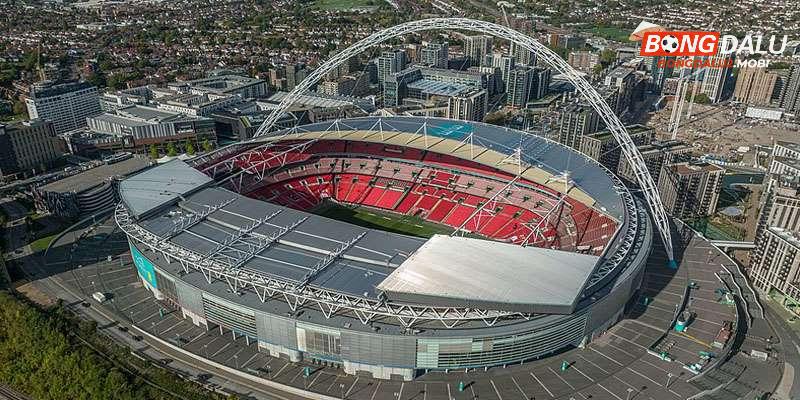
145 268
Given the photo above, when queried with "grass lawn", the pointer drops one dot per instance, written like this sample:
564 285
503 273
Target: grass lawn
345 4
369 218
42 243
609 32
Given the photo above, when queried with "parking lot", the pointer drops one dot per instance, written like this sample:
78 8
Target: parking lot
616 366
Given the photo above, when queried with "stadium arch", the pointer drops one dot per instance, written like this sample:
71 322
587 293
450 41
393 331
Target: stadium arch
552 59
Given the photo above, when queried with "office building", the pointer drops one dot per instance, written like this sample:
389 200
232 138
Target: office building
27 147
434 55
476 48
424 83
690 190
224 85
754 85
391 62
66 105
138 127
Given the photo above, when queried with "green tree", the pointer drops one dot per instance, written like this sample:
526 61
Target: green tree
153 151
207 146
171 150
189 148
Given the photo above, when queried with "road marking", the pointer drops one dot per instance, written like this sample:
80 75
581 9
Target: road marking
495 390
579 371
316 375
594 364
336 377
542 385
524 396
601 353
610 392
562 379
221 349
378 386
351 387
279 371
249 359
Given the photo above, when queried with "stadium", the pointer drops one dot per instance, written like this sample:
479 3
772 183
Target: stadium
391 246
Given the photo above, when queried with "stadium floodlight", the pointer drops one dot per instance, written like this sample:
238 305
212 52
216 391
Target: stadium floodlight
583 87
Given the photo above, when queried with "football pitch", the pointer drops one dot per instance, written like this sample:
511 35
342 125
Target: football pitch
374 219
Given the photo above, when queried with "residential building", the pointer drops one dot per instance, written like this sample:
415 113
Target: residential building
576 120
66 105
27 147
582 60
391 62
603 147
790 92
434 55
689 189
661 68
522 56
716 80
469 106
755 85
348 85
476 48
526 83
655 155
224 85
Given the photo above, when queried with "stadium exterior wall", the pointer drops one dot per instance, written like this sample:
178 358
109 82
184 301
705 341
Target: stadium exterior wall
395 356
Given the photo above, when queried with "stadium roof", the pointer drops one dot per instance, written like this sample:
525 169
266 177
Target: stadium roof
466 272
151 189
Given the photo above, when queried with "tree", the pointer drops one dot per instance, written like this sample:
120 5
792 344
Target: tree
189 148
207 146
153 151
171 150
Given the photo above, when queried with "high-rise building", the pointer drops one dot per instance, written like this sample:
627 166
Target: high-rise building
754 85
476 48
66 105
775 266
391 62
656 154
604 148
502 62
790 93
469 106
348 85
434 55
690 189
575 122
715 83
27 146
522 56
519 86
660 69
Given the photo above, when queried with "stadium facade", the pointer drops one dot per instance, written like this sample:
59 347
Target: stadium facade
548 246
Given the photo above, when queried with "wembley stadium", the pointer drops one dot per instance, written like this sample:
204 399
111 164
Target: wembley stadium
391 246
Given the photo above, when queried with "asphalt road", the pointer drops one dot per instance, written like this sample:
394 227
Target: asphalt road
789 345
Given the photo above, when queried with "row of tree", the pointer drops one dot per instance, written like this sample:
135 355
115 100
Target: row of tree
48 354
172 149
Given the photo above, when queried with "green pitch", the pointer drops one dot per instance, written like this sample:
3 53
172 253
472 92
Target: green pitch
344 4
373 219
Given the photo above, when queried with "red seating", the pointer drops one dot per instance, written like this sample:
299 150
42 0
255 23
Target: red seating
444 190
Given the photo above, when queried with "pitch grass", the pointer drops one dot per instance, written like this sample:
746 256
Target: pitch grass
345 4
373 219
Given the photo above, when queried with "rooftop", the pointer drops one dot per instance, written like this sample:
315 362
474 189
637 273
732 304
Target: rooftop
95 176
152 189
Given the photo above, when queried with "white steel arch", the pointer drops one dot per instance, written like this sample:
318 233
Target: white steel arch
583 87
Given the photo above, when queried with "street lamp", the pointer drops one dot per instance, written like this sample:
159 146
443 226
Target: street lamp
205 350
341 387
630 390
236 360
669 376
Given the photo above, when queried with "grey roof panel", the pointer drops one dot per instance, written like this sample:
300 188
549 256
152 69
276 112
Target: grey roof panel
152 189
